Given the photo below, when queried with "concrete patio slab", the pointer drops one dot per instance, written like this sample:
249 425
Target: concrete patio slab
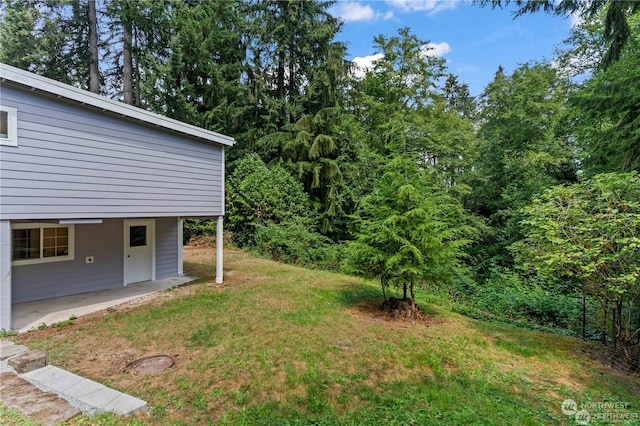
30 315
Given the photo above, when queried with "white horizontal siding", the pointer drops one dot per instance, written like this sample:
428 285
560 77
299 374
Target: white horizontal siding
73 161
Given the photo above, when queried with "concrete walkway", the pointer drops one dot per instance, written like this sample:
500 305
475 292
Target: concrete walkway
29 315
52 395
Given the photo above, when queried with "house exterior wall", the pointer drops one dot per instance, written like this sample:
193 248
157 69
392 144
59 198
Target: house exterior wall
76 162
166 248
105 242
45 280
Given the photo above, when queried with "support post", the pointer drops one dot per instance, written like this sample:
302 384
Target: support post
219 229
180 225
5 275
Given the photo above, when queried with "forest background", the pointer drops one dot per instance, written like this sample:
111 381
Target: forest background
519 205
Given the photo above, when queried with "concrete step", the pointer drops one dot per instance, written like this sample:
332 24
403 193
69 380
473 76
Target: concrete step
44 408
88 396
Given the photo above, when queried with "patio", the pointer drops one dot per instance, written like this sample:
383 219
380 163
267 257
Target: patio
30 315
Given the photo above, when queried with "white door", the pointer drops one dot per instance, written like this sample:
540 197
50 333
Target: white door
139 250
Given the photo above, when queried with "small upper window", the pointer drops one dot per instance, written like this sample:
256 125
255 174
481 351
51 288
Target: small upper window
41 243
8 126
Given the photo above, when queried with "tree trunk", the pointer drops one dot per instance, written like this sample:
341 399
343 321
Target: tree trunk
413 300
383 284
137 101
280 77
584 316
94 72
292 80
404 291
127 65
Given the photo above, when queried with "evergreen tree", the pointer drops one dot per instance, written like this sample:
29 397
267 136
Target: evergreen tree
616 30
48 37
405 110
411 232
606 113
525 148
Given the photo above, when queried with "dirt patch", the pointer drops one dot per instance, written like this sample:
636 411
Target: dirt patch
372 311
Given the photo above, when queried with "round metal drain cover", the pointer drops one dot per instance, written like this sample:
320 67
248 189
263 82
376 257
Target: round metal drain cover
149 365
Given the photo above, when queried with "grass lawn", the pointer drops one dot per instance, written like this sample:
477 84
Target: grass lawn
279 345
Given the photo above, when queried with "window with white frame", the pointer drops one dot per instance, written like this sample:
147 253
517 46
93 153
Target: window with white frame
41 243
8 126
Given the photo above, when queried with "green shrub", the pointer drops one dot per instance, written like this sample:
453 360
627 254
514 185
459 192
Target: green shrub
258 195
197 228
293 243
509 297
269 213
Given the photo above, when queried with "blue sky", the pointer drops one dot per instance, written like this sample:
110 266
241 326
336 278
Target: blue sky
473 40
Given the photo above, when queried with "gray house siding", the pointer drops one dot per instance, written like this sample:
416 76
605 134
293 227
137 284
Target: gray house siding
45 280
105 242
75 162
166 247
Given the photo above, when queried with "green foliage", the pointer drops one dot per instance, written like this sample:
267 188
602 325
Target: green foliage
525 147
195 56
507 297
411 232
48 37
193 228
294 243
13 416
589 233
268 212
8 333
607 115
258 195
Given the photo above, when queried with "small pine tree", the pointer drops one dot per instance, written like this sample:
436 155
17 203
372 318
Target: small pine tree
411 232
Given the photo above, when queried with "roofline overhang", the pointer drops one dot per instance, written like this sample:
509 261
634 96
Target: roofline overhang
36 82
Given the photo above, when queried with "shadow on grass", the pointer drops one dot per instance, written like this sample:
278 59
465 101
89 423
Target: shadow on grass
368 296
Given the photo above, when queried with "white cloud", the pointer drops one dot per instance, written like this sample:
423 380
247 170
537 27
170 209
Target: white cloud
576 19
353 11
432 6
365 63
436 49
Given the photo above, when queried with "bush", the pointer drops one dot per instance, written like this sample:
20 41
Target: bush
197 228
512 298
294 243
269 213
258 195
